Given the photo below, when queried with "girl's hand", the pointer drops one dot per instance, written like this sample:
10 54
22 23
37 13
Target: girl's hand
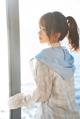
18 100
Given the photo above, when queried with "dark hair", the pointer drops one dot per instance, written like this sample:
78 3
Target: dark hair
73 35
57 22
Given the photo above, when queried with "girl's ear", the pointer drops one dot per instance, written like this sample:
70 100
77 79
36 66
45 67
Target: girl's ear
57 35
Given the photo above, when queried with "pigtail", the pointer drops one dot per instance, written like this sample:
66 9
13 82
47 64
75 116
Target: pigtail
73 35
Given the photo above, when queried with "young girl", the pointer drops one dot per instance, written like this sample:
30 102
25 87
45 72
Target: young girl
53 70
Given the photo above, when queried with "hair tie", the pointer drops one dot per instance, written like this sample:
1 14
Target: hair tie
68 22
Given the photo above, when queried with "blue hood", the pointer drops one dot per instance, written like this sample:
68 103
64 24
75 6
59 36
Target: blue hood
59 59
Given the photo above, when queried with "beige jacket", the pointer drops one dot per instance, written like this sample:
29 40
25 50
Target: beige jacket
57 96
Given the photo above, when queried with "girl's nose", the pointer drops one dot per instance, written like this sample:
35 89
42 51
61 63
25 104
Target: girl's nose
39 31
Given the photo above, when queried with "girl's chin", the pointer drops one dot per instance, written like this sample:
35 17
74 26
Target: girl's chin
41 41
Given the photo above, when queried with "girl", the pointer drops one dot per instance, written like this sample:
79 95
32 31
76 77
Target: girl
53 70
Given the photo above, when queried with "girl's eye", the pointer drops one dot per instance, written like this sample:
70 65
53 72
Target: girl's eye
42 29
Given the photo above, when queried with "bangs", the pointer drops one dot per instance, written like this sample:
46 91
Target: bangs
42 22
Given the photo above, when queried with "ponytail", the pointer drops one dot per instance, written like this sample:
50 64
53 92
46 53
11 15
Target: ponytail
73 35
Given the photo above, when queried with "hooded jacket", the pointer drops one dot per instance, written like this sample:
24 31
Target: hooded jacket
59 59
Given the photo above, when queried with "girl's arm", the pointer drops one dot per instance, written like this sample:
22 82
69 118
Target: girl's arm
41 94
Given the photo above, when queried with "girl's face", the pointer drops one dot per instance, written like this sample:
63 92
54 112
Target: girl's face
43 37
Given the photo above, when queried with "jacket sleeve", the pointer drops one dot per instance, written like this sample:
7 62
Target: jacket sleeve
42 92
